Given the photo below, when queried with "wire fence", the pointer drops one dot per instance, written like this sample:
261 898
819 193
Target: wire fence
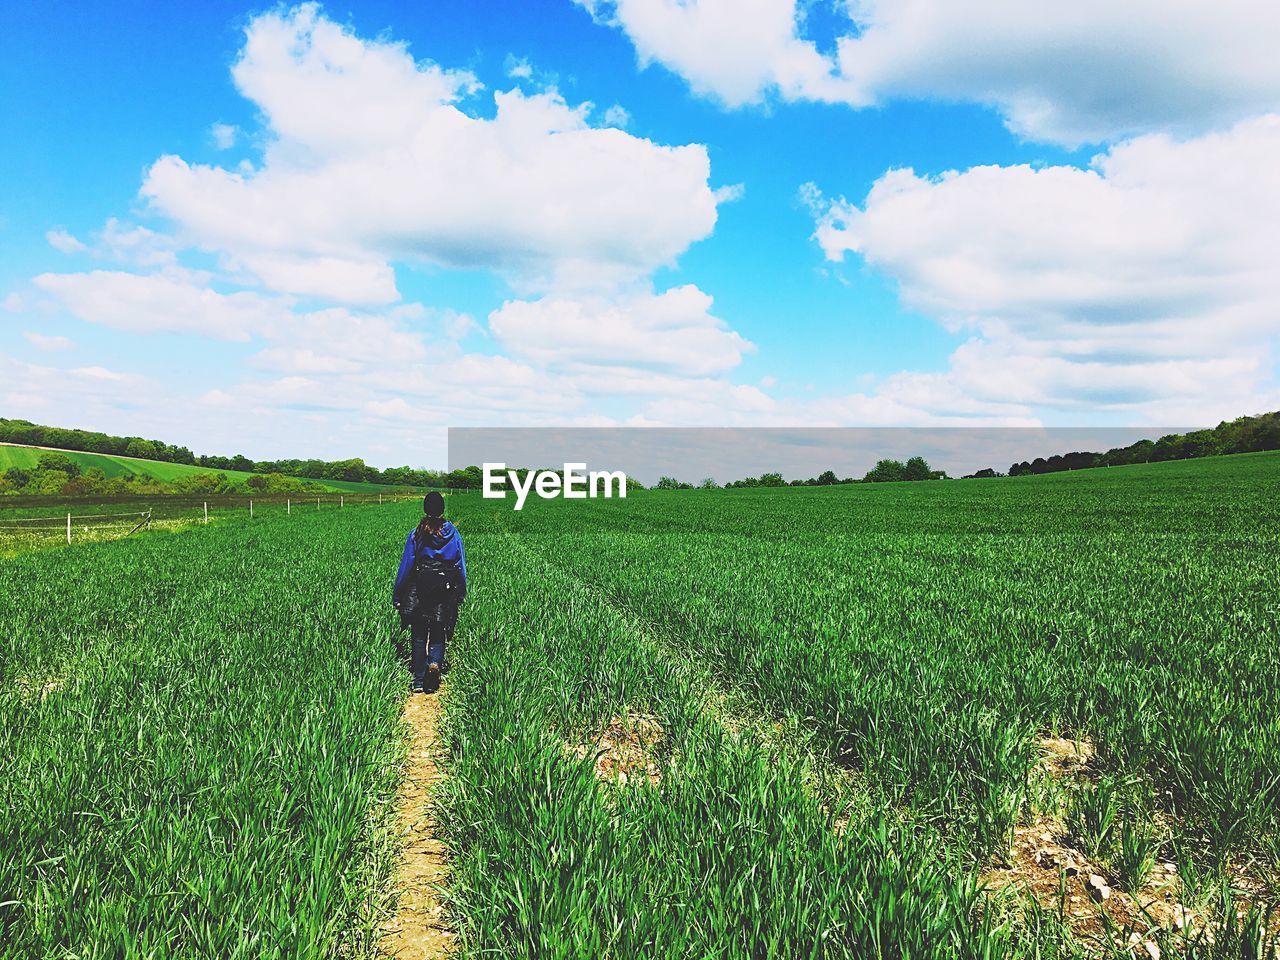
77 517
166 512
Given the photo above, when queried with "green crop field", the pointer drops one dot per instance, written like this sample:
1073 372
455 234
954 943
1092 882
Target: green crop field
819 722
112 466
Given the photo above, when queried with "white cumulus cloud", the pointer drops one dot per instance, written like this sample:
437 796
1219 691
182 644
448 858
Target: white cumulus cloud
1146 282
1089 71
372 159
674 331
733 50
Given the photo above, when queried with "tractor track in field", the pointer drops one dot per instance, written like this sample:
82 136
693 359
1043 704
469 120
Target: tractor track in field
419 929
730 707
1129 921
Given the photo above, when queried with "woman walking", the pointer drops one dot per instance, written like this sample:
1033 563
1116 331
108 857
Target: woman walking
430 585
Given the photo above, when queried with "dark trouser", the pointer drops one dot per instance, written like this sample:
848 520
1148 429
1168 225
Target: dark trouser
430 633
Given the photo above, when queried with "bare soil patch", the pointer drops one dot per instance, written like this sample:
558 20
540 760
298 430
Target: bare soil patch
1044 864
626 750
39 688
1066 758
419 929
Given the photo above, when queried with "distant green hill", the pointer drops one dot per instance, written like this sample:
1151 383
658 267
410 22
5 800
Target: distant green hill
333 474
27 458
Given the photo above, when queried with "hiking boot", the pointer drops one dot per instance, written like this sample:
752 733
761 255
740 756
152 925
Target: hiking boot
415 685
433 678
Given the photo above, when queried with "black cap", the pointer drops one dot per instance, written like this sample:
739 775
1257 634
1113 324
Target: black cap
433 504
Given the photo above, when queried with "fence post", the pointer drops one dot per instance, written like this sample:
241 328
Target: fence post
68 528
317 503
250 509
379 499
288 506
342 502
206 511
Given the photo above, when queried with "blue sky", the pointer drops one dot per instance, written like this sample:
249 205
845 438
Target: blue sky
345 267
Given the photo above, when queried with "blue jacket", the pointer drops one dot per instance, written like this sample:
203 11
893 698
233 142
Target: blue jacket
447 546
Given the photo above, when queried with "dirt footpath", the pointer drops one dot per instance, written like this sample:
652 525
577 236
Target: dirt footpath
418 928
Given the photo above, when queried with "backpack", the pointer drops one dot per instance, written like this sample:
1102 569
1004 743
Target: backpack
434 579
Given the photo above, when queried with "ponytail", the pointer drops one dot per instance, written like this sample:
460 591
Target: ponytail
428 526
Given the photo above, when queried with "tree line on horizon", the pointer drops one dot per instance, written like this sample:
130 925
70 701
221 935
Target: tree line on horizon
885 471
63 477
1253 434
1242 435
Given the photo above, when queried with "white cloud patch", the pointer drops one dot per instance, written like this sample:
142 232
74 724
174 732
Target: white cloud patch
372 160
134 246
83 396
64 242
450 388
159 304
674 331
518 68
617 116
120 243
224 135
50 343
733 50
457 325
1070 73
1146 283
906 399
333 340
338 340
709 402
346 279
102 373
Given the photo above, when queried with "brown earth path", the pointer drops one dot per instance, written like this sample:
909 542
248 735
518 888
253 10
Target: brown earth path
418 929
